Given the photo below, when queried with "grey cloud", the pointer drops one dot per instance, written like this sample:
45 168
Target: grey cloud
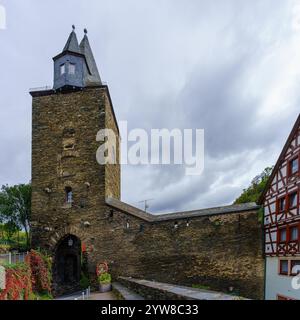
185 64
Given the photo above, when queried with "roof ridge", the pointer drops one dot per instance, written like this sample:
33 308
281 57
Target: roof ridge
287 143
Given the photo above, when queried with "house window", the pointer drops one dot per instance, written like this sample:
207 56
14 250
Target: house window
282 235
72 68
293 200
62 69
294 166
282 298
294 233
69 195
284 267
281 204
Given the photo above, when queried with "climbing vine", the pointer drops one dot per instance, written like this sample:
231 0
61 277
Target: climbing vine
41 276
24 280
18 283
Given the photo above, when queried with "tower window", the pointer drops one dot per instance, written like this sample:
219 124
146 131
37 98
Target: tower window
72 68
62 69
69 195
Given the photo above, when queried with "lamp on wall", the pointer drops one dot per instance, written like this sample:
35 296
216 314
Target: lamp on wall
70 242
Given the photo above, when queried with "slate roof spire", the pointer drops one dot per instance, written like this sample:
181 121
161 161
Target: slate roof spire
75 67
92 76
72 43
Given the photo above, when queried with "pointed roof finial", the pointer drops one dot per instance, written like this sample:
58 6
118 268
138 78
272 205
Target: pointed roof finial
85 30
73 27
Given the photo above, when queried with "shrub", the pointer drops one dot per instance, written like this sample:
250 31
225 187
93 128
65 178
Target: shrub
18 282
40 272
104 278
84 281
30 280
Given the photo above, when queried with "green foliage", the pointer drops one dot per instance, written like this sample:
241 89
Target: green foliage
15 210
261 215
104 278
40 296
84 281
256 188
199 286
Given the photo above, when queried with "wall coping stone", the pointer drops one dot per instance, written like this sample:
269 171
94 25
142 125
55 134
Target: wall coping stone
126 208
181 292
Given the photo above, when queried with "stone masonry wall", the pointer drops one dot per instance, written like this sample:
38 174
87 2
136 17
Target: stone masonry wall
218 251
64 149
214 251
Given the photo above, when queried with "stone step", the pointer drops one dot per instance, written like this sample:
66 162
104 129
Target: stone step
124 293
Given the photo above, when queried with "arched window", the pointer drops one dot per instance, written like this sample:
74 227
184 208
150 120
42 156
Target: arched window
69 195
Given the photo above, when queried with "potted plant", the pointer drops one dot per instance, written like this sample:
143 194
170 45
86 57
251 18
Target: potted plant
104 278
104 282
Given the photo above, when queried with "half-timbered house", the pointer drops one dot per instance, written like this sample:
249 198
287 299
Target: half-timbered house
282 222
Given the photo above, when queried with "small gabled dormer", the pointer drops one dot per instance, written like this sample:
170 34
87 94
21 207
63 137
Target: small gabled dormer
75 66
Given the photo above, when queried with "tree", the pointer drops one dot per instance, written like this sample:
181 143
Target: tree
256 188
15 208
9 229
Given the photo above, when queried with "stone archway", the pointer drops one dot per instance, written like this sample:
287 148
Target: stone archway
67 265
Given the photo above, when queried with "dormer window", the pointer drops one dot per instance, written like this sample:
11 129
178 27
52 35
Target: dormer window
69 195
62 69
72 68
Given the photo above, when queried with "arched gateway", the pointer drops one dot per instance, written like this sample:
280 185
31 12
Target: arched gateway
67 264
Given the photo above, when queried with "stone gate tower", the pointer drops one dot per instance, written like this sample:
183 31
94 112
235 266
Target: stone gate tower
69 187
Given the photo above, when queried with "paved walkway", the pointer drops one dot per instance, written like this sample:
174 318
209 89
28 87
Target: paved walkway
103 296
93 296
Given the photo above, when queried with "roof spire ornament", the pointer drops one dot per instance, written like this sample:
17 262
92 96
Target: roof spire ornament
85 30
73 27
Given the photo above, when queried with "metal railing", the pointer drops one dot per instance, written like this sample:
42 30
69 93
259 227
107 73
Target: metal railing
85 295
46 88
12 258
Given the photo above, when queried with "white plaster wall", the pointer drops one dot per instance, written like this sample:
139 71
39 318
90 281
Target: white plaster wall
277 284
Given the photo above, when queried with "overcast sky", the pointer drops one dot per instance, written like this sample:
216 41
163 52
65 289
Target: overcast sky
230 67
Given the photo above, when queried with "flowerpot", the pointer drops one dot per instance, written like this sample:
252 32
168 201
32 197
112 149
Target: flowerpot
105 287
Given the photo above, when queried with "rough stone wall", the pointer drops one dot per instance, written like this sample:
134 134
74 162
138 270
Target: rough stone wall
64 148
219 252
112 171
